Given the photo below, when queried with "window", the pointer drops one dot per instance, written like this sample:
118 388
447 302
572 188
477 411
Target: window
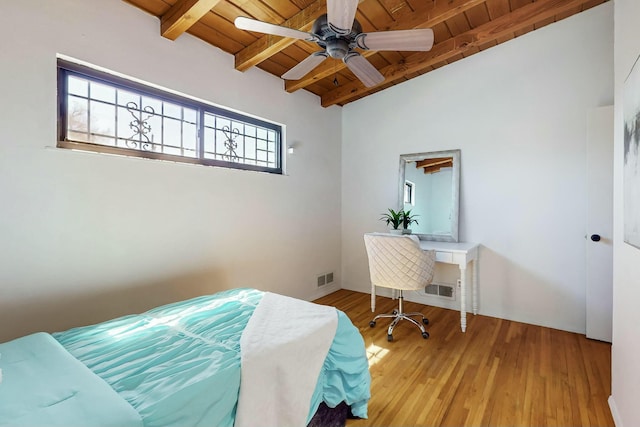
104 113
410 192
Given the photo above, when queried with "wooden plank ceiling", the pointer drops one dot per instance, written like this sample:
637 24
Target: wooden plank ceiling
461 27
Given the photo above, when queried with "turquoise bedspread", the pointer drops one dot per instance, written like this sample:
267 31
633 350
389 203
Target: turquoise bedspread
43 385
179 364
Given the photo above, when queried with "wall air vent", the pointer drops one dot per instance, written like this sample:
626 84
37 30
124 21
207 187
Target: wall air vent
322 280
442 290
325 279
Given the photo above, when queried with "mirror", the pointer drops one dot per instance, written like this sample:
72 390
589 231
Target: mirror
429 186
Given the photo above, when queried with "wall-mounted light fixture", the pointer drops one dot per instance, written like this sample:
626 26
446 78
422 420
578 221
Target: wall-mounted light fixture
291 148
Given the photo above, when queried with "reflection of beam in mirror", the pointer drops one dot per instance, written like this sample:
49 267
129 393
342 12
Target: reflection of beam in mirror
433 162
437 168
429 187
434 165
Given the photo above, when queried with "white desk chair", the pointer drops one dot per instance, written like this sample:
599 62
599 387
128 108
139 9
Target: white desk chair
397 262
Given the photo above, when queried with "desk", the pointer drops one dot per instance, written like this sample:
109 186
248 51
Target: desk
461 254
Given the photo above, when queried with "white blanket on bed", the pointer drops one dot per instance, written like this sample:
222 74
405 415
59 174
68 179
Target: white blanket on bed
283 348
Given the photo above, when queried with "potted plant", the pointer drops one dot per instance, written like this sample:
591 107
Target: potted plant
395 219
407 220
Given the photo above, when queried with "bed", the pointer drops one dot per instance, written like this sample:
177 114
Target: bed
191 363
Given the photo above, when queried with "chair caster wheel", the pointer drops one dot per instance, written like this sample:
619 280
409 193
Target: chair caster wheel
389 337
372 323
425 321
394 312
425 335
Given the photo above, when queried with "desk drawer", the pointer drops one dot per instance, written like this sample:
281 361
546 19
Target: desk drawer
444 257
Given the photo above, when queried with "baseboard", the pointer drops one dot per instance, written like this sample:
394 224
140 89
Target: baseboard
614 412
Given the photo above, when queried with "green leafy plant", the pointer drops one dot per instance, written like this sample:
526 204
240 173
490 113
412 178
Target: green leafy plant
396 219
408 219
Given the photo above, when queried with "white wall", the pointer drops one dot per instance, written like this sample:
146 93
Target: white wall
518 113
625 370
85 237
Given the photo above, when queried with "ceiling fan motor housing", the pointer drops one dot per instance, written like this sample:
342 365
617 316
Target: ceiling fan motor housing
337 46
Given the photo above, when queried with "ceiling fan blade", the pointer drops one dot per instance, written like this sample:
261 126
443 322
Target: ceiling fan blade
340 15
263 27
303 68
363 69
411 40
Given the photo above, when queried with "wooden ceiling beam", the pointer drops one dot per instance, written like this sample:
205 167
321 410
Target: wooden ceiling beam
435 14
182 15
419 62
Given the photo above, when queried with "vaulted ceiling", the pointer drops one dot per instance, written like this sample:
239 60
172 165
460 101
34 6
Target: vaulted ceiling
461 28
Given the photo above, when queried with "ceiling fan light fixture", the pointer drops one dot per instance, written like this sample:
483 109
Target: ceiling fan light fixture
337 48
338 33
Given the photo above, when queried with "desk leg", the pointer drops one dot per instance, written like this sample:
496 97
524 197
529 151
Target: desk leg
475 286
463 298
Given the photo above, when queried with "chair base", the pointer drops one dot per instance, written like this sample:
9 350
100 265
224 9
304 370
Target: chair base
398 315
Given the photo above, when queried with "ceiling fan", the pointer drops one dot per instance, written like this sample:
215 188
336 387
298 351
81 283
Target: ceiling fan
338 33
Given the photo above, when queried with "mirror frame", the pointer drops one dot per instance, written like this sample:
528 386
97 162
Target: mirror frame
455 182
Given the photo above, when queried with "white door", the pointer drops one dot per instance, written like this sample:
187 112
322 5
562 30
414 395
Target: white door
599 223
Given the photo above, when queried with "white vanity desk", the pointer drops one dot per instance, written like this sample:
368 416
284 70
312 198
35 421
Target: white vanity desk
461 254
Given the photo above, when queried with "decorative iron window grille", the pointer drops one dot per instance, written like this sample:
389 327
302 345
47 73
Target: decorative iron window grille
104 113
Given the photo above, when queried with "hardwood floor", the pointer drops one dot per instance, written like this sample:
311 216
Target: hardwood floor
498 373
